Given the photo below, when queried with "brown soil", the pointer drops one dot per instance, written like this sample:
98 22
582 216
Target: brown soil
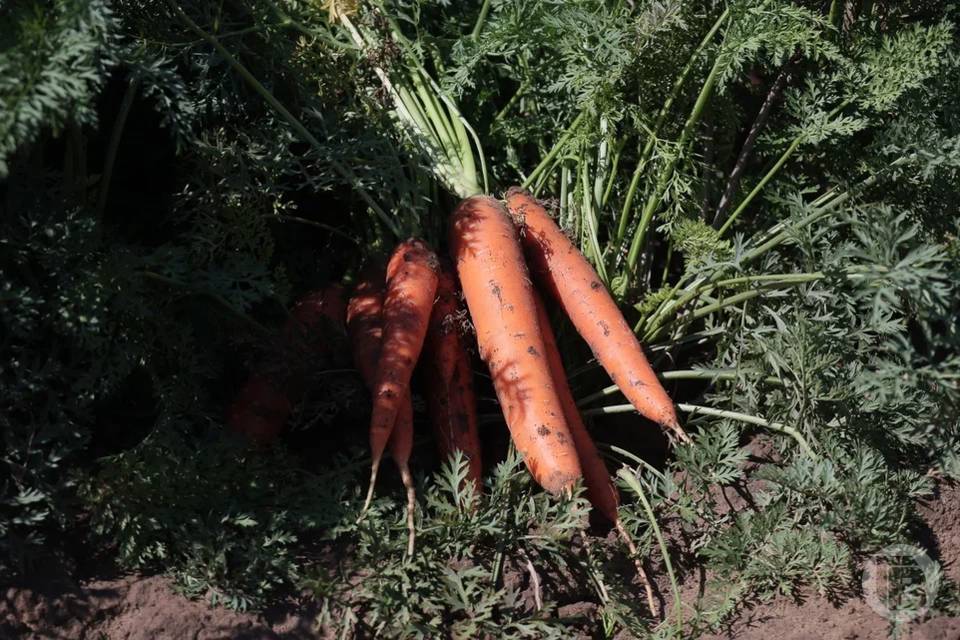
138 607
133 608
817 617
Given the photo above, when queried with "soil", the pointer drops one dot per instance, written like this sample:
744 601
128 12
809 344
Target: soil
134 608
142 607
817 617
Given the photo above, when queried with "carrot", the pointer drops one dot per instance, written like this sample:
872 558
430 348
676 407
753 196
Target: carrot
601 491
496 285
365 327
262 407
365 322
568 277
411 287
310 311
450 395
259 411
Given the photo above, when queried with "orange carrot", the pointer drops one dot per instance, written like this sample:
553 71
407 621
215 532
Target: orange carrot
365 326
600 489
567 276
496 285
450 395
411 287
262 407
259 411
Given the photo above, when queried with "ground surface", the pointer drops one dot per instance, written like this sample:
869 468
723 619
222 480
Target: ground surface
142 607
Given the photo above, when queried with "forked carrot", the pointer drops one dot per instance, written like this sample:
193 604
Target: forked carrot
365 328
601 491
449 379
566 275
496 285
411 287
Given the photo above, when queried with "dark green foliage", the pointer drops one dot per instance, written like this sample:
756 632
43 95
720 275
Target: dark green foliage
228 522
807 323
456 583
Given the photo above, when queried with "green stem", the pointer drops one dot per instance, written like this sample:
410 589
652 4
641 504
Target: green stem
512 101
294 123
781 231
666 263
114 145
694 409
670 308
794 145
554 152
679 374
590 221
481 19
658 123
629 455
663 180
634 484
611 180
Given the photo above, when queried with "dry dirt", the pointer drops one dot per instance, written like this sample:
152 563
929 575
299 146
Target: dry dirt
145 607
817 618
133 608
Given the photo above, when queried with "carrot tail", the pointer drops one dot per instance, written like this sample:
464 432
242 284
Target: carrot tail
401 446
374 468
638 563
407 478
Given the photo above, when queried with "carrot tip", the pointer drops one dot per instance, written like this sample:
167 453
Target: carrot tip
407 479
373 481
638 563
679 432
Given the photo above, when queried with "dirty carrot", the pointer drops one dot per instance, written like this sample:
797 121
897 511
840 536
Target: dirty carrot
499 294
601 491
566 275
411 287
451 398
259 411
262 407
365 328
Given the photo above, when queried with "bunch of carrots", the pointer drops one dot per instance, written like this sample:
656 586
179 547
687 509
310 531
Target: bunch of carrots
502 258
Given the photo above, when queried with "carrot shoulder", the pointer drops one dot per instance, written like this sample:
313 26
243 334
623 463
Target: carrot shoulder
567 276
499 295
449 377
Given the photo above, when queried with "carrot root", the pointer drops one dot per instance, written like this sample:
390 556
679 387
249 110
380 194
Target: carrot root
568 277
638 563
407 479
